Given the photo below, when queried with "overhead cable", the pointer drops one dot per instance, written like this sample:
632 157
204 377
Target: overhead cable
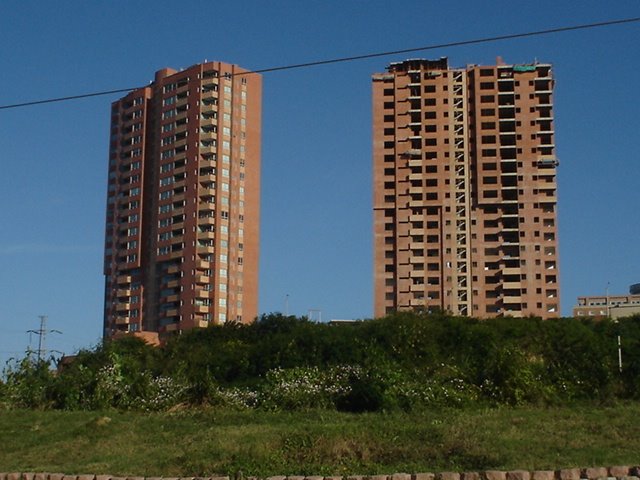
359 57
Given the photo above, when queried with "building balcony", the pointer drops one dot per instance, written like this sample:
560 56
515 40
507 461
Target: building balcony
509 215
207 135
207 191
172 312
206 207
201 308
123 307
547 198
417 302
202 279
173 284
176 254
206 163
123 292
511 271
547 162
121 320
510 243
206 235
179 198
511 299
206 249
123 279
547 187
171 327
207 178
180 143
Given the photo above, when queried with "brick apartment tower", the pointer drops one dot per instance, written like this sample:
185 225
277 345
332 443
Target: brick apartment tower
183 208
465 189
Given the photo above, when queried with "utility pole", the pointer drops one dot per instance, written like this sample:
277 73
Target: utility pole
608 305
42 336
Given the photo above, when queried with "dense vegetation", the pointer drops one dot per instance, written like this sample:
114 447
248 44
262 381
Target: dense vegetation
407 361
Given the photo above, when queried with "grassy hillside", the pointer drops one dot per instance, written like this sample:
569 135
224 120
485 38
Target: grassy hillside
199 442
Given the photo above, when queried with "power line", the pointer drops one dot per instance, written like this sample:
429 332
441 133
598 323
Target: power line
450 44
359 57
64 99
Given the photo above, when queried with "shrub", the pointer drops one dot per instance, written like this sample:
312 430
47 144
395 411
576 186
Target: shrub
27 383
305 387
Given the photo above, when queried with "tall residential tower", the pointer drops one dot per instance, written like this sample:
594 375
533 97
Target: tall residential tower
183 211
465 189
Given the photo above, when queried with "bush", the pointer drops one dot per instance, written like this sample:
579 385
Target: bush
27 383
404 361
305 387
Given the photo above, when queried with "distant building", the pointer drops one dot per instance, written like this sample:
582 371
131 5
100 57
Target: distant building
464 167
611 306
183 211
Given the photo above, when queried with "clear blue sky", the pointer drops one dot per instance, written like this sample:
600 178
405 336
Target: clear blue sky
316 184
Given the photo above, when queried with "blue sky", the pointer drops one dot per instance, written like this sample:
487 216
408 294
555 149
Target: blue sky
316 183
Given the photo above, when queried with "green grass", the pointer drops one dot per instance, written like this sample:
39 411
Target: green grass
209 442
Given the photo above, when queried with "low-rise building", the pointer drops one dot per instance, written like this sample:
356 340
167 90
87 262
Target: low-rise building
612 306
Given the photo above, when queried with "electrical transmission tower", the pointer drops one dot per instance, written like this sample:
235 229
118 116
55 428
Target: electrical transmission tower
42 336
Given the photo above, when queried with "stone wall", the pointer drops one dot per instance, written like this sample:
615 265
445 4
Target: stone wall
596 473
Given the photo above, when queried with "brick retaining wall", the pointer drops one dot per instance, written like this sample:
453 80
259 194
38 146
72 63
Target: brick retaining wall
596 473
